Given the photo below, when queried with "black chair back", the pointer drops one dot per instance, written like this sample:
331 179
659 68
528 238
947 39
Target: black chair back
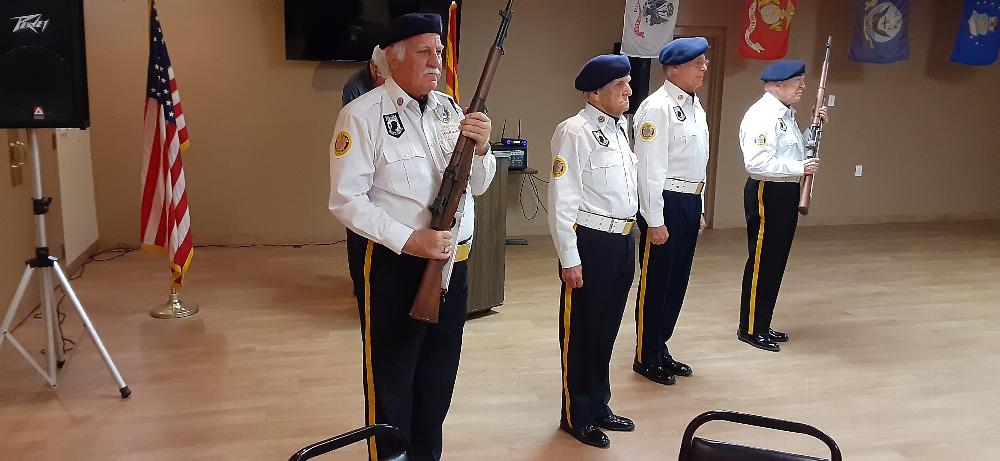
699 449
390 441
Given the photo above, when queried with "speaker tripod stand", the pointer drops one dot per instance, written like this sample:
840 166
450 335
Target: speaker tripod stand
48 267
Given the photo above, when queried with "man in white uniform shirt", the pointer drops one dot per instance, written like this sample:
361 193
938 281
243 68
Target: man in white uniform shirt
672 147
774 157
387 160
592 205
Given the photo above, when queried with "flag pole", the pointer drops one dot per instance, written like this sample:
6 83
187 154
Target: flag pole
451 54
174 308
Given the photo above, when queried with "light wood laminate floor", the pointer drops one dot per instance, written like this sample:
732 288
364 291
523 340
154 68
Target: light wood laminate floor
895 352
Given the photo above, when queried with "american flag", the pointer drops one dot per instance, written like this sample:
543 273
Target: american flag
166 221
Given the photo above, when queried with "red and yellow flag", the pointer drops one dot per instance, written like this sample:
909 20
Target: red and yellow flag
766 26
451 54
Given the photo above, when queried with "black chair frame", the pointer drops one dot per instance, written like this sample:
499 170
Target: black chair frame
388 437
758 421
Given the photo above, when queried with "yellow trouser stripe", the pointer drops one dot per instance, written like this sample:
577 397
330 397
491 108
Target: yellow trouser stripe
641 307
369 375
756 258
568 304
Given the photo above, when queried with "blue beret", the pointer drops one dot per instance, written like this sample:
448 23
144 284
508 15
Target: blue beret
408 25
601 70
783 70
683 50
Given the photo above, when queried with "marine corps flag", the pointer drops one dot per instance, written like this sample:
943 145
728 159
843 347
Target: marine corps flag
766 24
649 24
978 39
882 33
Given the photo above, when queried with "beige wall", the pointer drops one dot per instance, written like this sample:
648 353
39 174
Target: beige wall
260 126
76 182
916 126
924 129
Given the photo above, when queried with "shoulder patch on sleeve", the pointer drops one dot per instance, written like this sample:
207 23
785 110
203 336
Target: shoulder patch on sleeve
558 167
761 140
342 144
647 130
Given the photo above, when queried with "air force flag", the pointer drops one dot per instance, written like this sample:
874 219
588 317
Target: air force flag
882 33
978 39
649 24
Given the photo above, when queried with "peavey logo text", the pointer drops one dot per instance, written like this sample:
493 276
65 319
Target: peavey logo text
32 22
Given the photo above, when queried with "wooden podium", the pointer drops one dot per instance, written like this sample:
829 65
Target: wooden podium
486 262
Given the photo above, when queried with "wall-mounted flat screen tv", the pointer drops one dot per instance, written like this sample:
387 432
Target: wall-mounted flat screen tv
347 30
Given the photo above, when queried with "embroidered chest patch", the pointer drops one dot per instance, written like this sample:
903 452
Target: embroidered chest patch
443 114
601 139
393 125
679 114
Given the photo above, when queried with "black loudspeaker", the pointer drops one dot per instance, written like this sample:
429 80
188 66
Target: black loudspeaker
43 68
640 79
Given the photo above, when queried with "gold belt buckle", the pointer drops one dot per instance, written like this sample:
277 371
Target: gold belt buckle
462 252
701 187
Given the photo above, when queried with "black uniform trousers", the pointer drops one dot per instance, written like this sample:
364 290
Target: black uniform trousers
589 318
771 210
409 366
665 271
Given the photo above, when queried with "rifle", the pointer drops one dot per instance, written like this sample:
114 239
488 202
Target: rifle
427 303
815 133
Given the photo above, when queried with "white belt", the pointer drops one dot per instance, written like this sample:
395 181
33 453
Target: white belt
604 223
687 187
770 179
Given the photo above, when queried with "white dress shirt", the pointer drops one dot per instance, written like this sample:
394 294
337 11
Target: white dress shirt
387 160
593 170
671 142
771 141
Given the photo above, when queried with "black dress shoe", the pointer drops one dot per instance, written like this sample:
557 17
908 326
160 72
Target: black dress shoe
589 435
614 422
654 373
675 367
777 336
759 341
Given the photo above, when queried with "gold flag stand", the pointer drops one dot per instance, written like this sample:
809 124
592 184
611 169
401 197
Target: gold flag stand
174 308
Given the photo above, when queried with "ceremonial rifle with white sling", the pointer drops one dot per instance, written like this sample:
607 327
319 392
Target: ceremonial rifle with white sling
427 304
815 133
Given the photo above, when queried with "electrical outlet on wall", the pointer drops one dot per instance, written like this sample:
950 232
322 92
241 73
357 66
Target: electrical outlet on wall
857 170
830 100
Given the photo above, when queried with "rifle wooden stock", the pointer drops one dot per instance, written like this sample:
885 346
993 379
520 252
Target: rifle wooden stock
815 132
427 303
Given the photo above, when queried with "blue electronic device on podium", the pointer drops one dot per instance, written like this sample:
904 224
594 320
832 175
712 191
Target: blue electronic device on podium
514 148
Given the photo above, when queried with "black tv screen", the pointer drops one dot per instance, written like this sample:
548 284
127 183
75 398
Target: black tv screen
347 30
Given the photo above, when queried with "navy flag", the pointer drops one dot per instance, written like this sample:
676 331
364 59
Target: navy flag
978 39
882 33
